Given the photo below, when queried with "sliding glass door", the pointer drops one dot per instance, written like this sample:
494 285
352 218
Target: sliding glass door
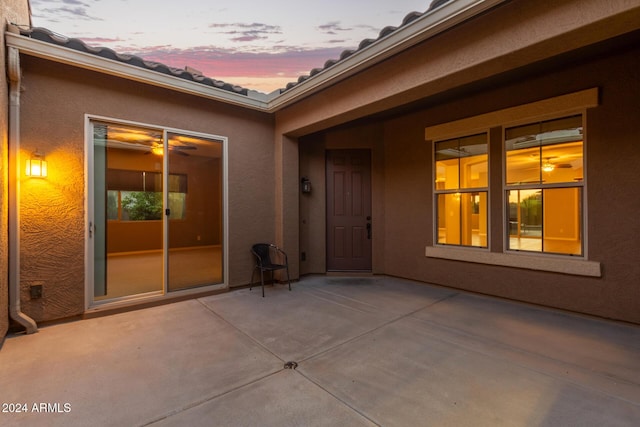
157 220
195 206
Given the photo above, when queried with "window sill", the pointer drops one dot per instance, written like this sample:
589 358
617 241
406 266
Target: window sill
577 267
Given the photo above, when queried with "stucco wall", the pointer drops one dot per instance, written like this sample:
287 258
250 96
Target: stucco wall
54 103
10 11
312 220
612 155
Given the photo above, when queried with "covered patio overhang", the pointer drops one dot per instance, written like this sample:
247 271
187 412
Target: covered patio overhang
505 38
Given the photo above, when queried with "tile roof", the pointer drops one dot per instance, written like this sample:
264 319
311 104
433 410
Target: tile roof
49 36
409 18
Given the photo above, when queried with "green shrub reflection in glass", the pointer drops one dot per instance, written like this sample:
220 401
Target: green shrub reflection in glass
142 205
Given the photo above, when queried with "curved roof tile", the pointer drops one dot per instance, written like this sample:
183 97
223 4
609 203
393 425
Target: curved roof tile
409 18
386 31
48 36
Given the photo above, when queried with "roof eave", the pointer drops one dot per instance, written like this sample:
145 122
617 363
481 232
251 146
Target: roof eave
428 25
254 100
423 28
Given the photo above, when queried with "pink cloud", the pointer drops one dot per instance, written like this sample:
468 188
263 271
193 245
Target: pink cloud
220 62
98 41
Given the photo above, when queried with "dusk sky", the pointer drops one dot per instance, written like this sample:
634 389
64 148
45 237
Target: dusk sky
261 45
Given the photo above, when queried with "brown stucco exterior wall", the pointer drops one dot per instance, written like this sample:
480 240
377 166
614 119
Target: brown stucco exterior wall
285 195
612 151
54 103
10 11
612 154
312 219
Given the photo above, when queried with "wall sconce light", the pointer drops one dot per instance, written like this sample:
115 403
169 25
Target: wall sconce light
305 185
36 166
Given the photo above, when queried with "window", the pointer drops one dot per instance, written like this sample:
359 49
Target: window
543 193
544 186
461 190
137 195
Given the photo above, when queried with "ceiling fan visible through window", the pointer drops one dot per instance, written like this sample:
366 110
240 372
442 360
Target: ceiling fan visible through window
179 148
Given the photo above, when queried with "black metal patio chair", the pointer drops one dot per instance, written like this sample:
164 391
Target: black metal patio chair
263 253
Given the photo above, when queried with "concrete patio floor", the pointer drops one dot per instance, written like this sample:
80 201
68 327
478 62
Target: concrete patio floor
370 351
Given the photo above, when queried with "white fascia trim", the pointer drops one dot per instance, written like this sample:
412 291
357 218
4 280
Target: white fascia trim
255 100
550 263
425 27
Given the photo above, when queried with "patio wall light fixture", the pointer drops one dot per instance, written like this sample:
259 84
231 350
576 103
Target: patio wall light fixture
305 185
36 165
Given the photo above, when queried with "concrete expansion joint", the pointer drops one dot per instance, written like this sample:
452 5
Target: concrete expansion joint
207 399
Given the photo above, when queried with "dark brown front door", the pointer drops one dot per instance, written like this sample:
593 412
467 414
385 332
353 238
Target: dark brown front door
349 223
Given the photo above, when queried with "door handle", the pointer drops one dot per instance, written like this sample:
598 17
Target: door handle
369 230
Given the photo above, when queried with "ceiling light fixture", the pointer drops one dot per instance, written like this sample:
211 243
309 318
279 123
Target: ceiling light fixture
547 166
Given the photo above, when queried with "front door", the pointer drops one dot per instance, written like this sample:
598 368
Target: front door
349 226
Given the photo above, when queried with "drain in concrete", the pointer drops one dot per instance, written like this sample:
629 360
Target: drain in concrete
290 365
